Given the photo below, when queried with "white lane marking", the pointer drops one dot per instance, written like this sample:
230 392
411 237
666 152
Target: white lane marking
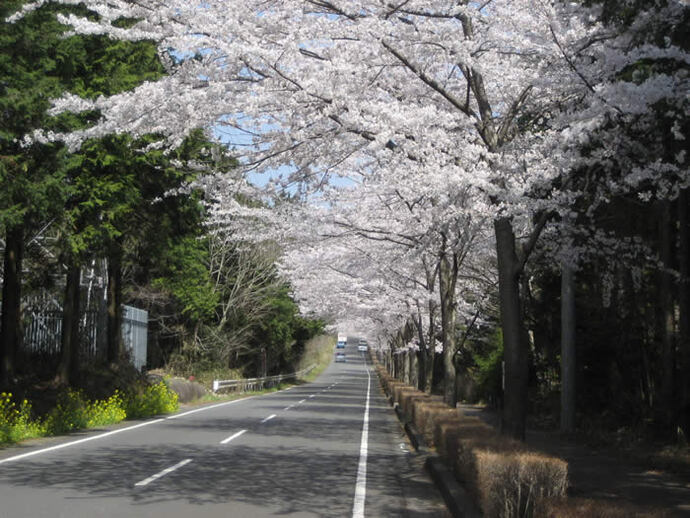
233 436
313 395
299 403
268 418
65 445
147 481
106 434
210 407
361 484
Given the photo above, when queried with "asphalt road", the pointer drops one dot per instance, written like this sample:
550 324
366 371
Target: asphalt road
328 448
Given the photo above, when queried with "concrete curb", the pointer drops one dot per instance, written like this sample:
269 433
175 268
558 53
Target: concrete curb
460 504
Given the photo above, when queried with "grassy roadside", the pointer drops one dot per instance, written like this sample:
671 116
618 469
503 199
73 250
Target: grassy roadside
317 351
74 411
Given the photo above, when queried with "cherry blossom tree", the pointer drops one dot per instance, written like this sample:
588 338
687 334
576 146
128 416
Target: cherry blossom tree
497 98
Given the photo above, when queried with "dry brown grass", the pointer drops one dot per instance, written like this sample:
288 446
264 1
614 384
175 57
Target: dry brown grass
427 413
407 402
394 385
588 508
447 437
475 435
510 484
399 391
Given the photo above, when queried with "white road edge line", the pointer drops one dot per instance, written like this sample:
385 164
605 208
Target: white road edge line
268 418
147 481
113 432
233 436
72 443
361 484
209 407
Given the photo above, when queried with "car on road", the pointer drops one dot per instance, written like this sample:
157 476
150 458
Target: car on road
340 357
342 341
363 346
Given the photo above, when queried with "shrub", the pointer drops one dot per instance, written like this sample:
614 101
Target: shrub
511 483
16 423
150 400
74 411
106 411
407 400
447 437
425 413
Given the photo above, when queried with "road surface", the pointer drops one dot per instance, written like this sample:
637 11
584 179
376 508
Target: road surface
328 448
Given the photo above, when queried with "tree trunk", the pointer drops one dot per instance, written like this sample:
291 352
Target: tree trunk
114 306
568 361
423 357
515 351
684 310
447 277
10 326
430 350
666 402
69 354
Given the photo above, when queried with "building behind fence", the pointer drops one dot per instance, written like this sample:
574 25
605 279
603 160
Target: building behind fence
43 333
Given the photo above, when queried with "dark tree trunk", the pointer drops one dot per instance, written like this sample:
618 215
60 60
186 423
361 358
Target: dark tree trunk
114 306
568 365
424 358
430 350
69 355
515 351
684 311
447 278
10 326
666 403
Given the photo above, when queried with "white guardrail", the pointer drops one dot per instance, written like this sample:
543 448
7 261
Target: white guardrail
258 383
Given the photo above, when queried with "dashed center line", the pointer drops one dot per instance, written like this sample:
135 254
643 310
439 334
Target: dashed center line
160 474
313 395
234 436
268 418
301 402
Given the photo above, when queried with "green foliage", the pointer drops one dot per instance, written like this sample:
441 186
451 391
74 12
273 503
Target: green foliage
16 423
489 370
74 411
283 331
150 400
187 278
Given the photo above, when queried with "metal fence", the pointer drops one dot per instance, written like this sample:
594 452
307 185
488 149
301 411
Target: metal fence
135 324
258 383
43 333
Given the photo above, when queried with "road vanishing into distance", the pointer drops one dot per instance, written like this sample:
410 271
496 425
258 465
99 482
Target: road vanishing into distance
328 448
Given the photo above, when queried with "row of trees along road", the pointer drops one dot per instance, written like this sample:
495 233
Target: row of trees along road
122 208
488 149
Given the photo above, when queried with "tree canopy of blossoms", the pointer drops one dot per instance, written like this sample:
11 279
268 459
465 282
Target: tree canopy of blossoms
494 101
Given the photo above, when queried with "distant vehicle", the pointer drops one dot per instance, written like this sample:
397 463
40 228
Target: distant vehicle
363 346
342 341
340 357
